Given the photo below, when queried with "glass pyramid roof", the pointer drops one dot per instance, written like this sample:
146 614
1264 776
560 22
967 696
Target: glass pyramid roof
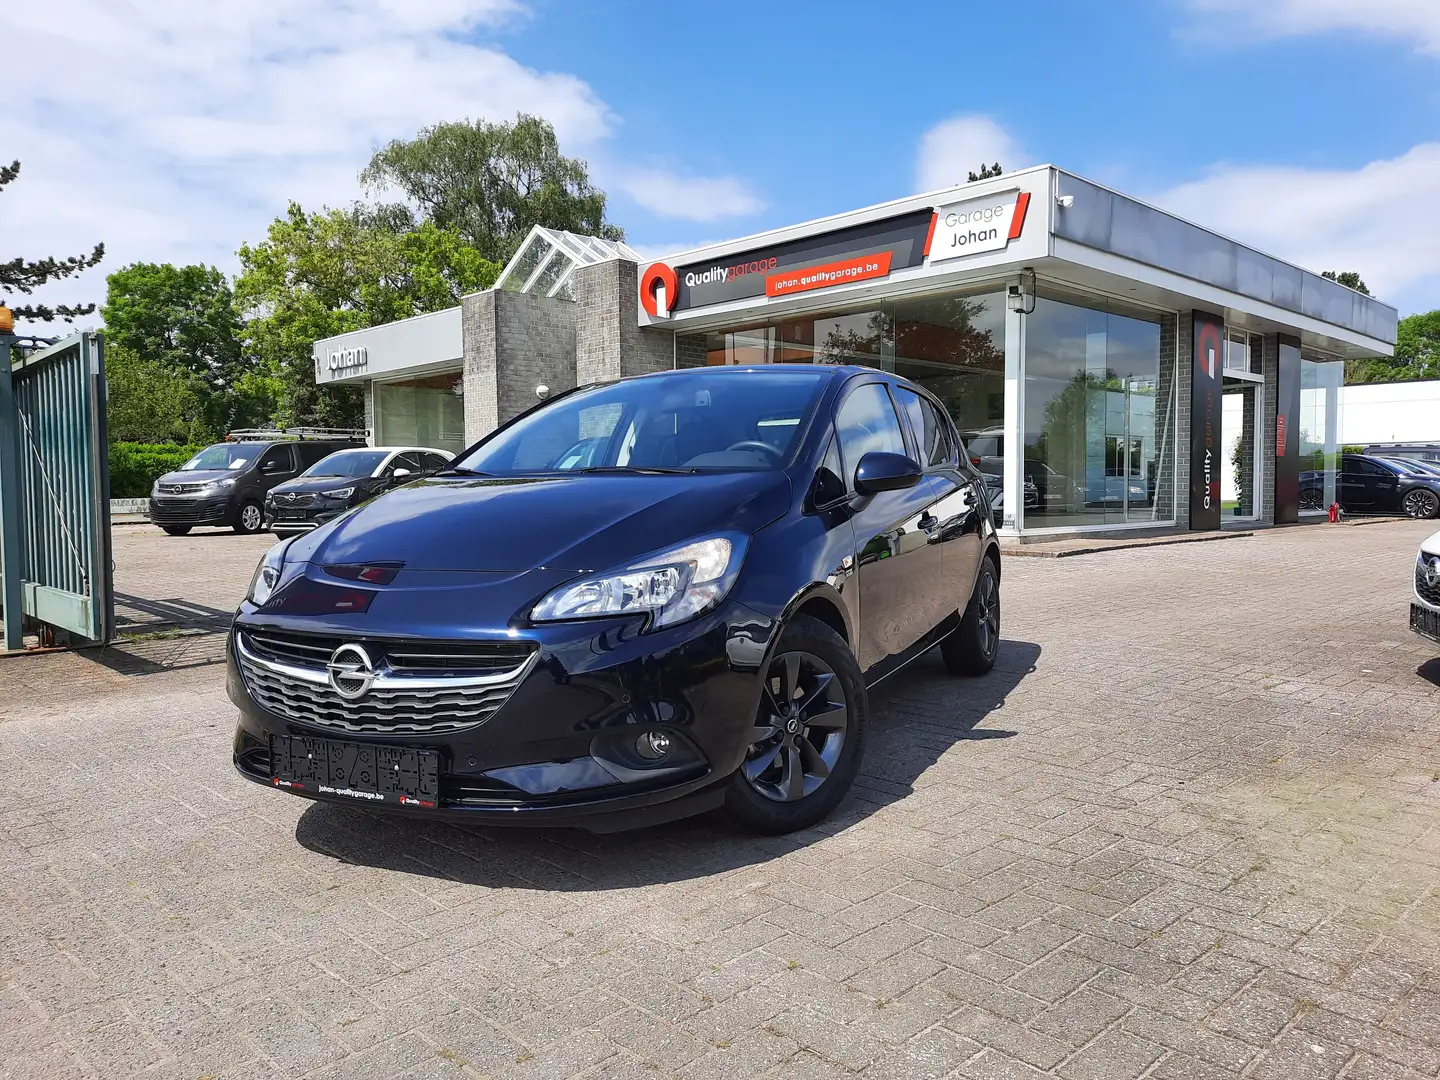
543 263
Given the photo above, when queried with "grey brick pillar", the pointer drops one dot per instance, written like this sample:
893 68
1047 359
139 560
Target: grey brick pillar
1184 373
609 341
512 344
1270 369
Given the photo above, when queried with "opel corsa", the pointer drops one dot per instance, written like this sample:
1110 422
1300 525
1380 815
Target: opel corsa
640 600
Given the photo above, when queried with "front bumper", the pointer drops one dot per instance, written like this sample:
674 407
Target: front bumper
286 521
182 510
555 753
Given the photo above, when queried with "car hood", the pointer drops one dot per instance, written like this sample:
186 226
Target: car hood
322 483
198 476
1431 545
577 524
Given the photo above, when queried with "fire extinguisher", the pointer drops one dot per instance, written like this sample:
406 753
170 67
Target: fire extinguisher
1334 512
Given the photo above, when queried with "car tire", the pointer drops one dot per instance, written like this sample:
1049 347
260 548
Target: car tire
1420 504
972 647
176 530
1312 499
814 681
250 518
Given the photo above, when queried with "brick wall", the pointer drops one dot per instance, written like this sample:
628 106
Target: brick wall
690 351
1184 371
1247 452
1166 409
1270 369
513 343
609 342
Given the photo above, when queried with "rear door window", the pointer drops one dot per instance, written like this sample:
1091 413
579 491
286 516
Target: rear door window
927 427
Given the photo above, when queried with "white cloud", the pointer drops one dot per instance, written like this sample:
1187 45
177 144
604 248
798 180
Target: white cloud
691 198
1381 220
953 148
180 129
1414 20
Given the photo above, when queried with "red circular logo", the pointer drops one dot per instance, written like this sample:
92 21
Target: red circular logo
658 276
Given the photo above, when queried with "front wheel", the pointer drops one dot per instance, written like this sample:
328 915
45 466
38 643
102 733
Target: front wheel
808 736
1421 503
971 648
176 530
250 519
1312 499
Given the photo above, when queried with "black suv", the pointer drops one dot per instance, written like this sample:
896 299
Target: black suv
226 484
638 601
1373 485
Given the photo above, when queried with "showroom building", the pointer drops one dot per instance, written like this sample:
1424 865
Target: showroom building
1134 359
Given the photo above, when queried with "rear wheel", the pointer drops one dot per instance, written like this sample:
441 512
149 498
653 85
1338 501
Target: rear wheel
250 519
1312 499
808 736
176 530
971 648
1421 503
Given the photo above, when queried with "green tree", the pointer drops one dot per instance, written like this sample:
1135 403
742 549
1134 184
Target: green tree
151 401
986 172
19 276
180 319
326 273
1417 354
1349 278
490 183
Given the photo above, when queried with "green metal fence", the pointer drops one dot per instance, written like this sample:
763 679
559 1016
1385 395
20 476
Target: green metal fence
54 493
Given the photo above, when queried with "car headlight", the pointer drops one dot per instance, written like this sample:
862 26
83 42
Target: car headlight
223 482
267 574
340 493
671 586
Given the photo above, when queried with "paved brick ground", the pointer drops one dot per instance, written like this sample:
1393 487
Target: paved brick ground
1187 830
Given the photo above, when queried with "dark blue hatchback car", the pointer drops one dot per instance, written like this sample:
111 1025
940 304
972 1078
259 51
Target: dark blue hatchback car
638 601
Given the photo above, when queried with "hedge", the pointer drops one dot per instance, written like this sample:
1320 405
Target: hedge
134 467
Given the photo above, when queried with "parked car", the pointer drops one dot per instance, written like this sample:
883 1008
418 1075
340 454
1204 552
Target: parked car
1054 492
1422 451
343 480
1425 608
688 621
226 484
1371 485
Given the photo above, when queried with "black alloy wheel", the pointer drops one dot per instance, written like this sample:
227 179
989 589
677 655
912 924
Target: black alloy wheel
805 745
973 646
1421 503
250 519
1312 499
800 732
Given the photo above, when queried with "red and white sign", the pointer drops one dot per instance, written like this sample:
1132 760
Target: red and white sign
988 223
658 290
1280 435
808 278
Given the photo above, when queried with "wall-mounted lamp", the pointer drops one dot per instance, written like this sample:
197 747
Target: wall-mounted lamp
542 391
1020 295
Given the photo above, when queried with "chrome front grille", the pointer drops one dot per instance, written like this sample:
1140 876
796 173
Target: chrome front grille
294 498
427 687
1423 587
180 489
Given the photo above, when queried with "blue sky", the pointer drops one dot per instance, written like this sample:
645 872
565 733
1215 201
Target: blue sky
1310 128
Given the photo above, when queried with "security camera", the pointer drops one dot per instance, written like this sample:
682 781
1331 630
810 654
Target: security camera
1065 201
542 391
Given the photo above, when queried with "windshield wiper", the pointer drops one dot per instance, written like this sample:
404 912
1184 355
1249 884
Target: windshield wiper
644 470
460 470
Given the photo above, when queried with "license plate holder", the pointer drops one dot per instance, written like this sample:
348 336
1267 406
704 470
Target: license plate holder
365 773
1425 622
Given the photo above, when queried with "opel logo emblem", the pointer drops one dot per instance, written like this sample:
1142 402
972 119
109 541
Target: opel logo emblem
1432 573
351 671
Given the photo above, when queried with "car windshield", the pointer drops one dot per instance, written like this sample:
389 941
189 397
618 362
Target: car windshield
348 463
693 421
224 456
1411 468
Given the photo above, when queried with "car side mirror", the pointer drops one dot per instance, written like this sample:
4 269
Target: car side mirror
879 472
270 467
399 474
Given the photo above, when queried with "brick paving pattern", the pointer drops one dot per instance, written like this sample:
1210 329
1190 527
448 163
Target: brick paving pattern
1187 829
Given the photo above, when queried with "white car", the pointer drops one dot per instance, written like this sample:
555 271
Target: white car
1425 609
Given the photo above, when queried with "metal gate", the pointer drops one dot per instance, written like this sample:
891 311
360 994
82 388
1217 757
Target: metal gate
55 492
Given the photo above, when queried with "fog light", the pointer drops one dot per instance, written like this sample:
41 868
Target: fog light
653 745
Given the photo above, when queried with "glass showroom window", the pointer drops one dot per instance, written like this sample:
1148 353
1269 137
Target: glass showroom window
1099 415
421 412
1320 383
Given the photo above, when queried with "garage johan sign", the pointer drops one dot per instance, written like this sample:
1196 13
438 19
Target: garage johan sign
868 252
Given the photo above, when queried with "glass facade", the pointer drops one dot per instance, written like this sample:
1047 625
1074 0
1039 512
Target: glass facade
1099 384
1099 415
1320 383
421 412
